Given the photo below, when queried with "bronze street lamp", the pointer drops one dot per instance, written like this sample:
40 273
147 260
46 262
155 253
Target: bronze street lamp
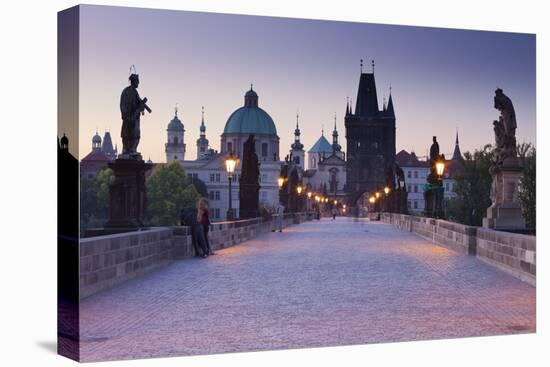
230 163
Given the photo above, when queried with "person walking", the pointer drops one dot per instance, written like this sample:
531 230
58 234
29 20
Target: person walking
279 221
204 222
334 213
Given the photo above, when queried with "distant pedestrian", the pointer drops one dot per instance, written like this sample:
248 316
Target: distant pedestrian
204 222
280 210
334 213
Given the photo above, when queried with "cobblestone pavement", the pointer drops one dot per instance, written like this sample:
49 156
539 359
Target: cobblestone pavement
316 284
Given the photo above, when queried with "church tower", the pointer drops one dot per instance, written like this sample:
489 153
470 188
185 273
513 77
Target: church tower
457 155
175 148
336 148
202 142
297 148
370 135
96 143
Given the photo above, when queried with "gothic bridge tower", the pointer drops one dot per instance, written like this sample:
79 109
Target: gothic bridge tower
370 135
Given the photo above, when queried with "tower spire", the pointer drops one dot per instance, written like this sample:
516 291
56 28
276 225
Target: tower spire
361 65
457 155
372 61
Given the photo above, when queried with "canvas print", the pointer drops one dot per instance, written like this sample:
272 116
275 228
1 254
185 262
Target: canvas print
234 183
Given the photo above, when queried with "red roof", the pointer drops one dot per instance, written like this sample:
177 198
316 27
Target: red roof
406 159
95 157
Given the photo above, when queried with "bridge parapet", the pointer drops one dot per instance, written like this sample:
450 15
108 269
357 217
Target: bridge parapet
511 252
108 260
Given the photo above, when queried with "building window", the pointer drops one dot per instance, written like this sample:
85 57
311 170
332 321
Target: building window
415 174
416 204
263 195
211 195
195 176
217 177
230 147
297 160
415 188
175 140
447 186
409 174
217 195
211 177
217 213
409 203
202 149
264 149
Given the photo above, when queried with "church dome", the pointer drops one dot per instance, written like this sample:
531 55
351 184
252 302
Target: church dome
175 124
250 119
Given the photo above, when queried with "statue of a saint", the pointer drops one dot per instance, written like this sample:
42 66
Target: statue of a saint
434 150
131 108
505 127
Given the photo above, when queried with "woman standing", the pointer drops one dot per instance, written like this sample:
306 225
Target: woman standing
204 220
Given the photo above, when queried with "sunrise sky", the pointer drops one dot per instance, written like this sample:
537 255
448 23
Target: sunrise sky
442 79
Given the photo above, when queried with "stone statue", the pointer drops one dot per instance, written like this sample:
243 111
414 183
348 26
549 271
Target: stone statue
506 170
249 187
505 128
434 150
131 108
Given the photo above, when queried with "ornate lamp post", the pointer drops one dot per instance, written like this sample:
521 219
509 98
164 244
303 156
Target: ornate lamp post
440 170
386 202
230 163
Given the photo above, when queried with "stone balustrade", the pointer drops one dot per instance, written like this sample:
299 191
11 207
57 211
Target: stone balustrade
510 252
111 259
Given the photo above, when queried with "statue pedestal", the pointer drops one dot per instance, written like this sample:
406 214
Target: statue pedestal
127 194
505 212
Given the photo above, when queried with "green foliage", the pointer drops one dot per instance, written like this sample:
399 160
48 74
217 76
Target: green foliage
527 194
88 202
200 186
472 188
103 181
169 191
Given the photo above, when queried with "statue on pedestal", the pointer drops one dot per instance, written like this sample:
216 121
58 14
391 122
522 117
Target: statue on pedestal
127 194
506 170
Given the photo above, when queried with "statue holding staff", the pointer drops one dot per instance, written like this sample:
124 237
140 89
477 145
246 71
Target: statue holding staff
131 108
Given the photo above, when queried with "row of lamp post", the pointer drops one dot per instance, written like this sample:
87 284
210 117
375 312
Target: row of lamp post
309 195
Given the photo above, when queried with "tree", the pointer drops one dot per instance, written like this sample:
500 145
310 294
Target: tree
472 188
169 191
103 182
88 202
200 186
527 193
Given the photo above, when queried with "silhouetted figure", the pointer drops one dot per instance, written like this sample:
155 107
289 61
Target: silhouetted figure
434 151
131 108
249 187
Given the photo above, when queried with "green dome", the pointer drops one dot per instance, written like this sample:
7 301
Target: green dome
250 120
175 124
